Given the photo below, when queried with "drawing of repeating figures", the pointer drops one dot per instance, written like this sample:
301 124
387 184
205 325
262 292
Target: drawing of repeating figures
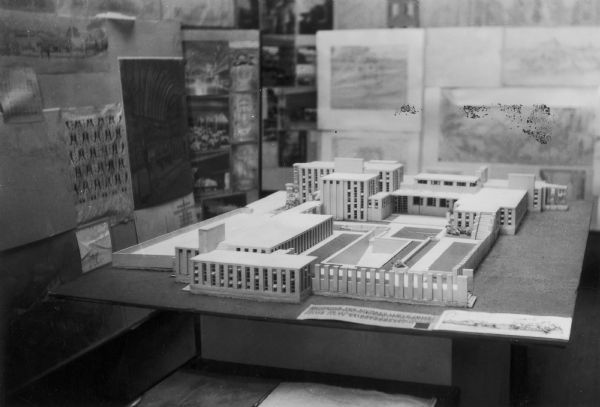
368 77
244 69
244 112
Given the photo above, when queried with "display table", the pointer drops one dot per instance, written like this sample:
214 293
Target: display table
535 272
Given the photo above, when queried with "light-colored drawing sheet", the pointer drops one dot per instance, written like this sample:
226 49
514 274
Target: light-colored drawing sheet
367 78
368 316
463 56
321 395
355 14
573 143
400 146
551 56
534 326
165 218
95 246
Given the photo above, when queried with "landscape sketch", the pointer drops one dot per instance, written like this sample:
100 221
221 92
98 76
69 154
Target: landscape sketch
548 56
51 44
207 68
20 96
369 77
516 134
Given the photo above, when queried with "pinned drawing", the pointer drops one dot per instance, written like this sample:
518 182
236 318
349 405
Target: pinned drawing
551 56
244 166
95 246
525 134
277 61
207 67
244 117
365 76
244 69
208 120
201 13
51 44
156 120
368 77
99 161
143 9
20 96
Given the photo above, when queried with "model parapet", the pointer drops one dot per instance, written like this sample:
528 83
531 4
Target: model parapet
415 239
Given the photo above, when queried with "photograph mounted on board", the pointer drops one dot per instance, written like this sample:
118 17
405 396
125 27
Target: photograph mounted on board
244 167
244 117
314 15
157 129
244 68
96 142
208 119
278 61
211 173
278 16
292 147
207 68
20 96
51 44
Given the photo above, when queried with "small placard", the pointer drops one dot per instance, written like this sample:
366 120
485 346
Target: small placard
534 326
369 316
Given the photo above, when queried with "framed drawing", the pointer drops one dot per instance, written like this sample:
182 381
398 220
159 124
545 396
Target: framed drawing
370 80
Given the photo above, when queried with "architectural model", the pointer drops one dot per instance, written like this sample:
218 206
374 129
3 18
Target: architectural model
361 229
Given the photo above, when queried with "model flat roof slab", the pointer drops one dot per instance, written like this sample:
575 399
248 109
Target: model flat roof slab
267 232
349 176
288 261
428 193
383 165
446 177
490 199
316 164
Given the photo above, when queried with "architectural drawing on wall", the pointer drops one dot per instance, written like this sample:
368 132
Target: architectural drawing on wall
52 45
96 142
244 166
143 9
156 120
314 15
278 16
449 13
201 13
551 56
244 68
244 117
20 96
208 120
277 61
207 67
368 77
514 133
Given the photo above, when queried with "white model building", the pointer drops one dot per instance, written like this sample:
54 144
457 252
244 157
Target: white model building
414 239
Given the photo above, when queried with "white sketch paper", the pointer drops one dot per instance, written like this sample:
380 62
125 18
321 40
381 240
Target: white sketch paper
368 316
365 77
534 326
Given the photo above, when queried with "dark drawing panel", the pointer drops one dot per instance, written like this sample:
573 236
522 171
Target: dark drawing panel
207 67
278 63
314 15
156 120
292 147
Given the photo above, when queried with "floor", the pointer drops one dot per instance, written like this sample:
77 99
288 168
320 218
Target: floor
556 376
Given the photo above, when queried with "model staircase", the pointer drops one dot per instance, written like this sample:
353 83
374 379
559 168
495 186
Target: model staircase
485 225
